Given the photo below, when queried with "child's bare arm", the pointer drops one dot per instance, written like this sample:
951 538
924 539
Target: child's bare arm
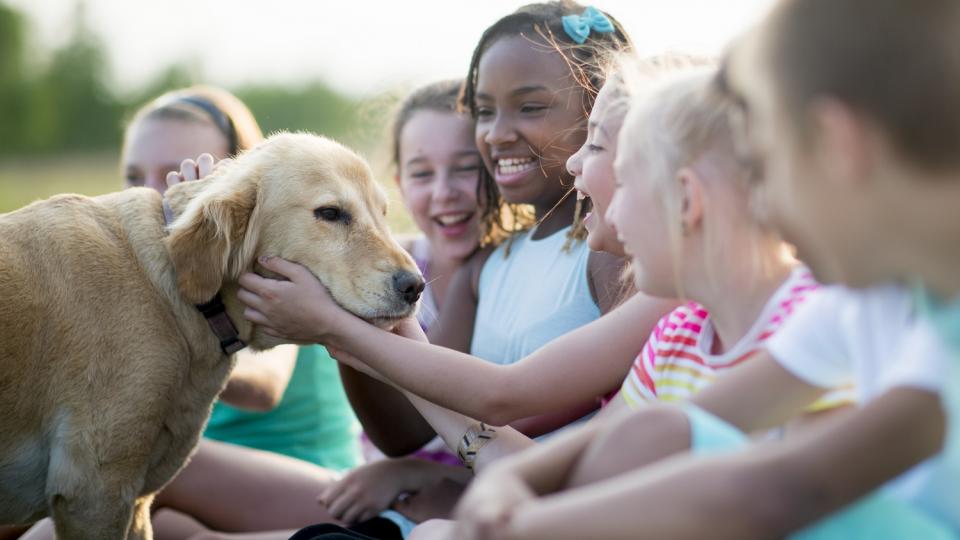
763 492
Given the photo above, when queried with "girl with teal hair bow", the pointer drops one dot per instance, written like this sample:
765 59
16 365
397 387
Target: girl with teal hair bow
578 27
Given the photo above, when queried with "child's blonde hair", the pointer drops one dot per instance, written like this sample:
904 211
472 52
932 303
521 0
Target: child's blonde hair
674 124
626 75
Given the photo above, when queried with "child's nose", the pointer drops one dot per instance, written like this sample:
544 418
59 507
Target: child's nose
443 188
501 132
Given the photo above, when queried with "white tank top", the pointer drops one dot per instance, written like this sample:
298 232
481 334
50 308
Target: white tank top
531 297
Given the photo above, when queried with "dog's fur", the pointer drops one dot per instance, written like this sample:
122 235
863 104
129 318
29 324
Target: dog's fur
108 369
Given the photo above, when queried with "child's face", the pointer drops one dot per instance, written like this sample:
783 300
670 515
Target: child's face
530 119
156 146
639 217
439 170
592 168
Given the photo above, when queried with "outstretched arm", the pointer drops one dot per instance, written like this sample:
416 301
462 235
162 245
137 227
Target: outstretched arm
576 367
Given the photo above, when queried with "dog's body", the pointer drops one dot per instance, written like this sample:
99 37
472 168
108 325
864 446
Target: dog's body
109 370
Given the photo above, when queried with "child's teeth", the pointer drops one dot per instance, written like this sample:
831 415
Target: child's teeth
514 165
451 218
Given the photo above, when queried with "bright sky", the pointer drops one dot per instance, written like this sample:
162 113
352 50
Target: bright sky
358 46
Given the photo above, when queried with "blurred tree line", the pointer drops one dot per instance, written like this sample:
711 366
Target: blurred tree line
64 105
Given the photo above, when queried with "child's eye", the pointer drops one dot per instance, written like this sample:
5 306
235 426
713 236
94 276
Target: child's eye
472 167
420 175
134 180
484 112
527 109
595 148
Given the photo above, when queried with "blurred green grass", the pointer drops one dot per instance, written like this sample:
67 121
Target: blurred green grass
25 180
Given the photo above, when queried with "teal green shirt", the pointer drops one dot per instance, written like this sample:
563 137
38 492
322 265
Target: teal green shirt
313 422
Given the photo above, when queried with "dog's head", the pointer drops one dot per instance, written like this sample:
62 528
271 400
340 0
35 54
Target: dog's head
304 198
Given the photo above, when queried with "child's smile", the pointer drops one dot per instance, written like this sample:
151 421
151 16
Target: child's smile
530 119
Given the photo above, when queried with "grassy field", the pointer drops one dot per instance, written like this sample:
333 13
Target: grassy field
26 180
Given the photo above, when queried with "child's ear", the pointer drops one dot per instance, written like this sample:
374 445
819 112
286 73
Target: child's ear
691 203
844 139
210 240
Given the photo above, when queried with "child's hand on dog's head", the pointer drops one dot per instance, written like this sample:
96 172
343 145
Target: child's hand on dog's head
191 170
299 309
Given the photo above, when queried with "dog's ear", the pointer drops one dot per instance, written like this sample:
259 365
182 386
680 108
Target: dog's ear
212 240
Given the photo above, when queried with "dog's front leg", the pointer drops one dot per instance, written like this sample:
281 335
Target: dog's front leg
91 518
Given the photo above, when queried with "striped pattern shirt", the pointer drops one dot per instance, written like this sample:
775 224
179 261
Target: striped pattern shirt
676 362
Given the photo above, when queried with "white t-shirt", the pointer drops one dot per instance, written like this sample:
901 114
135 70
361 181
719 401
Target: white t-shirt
875 339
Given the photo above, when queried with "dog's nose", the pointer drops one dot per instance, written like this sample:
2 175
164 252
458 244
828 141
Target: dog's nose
408 285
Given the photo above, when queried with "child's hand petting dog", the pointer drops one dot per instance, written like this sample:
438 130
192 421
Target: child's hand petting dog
298 309
366 491
191 170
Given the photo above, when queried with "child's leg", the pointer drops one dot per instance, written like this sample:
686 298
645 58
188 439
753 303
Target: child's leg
632 440
172 525
236 489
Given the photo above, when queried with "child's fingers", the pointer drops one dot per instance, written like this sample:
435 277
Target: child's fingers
254 287
287 269
173 178
205 165
340 504
188 170
353 512
331 492
255 316
367 515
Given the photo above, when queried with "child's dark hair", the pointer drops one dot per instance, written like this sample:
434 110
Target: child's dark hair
587 63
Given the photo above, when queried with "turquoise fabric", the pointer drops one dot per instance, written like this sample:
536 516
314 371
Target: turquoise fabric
876 517
710 434
313 422
945 316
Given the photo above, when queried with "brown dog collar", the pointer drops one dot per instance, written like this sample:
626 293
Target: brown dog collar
213 310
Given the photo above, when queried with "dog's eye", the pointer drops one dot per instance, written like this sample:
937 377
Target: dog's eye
332 214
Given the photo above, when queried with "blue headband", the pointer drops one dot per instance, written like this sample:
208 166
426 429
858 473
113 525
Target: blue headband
578 27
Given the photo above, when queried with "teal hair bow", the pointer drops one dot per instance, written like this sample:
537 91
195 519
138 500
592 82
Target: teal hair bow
578 27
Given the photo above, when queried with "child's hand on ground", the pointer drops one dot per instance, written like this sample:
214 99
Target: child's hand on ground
432 502
368 490
299 309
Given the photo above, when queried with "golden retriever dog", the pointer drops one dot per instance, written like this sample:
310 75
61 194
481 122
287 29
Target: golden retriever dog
109 369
